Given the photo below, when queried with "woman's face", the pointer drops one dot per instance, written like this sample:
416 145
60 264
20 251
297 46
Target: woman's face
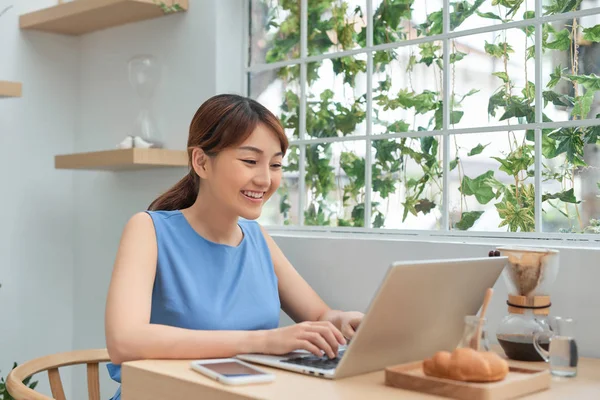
243 178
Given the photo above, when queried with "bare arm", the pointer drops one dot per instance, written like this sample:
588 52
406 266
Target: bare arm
129 334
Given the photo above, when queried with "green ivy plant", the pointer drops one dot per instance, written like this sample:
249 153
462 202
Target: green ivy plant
170 8
4 395
332 25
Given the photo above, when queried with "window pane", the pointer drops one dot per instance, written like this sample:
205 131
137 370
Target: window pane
335 184
336 97
336 25
395 20
279 91
274 30
571 180
570 73
407 183
282 208
491 84
492 182
407 89
464 15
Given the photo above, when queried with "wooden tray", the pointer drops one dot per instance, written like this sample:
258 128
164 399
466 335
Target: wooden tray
518 382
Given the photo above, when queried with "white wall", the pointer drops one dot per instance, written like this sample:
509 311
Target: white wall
36 234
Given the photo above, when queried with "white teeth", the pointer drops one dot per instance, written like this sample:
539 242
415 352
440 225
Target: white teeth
254 195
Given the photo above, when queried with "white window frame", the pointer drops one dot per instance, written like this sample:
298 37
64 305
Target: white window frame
445 132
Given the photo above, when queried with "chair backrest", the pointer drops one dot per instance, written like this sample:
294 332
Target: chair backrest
51 363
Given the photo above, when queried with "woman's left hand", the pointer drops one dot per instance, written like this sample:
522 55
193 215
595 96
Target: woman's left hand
348 322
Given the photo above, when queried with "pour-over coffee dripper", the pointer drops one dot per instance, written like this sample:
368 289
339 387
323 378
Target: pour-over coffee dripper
529 275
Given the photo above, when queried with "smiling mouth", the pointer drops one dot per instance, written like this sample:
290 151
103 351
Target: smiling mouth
255 196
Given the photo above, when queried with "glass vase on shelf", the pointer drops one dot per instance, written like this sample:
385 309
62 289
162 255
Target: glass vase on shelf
475 334
144 76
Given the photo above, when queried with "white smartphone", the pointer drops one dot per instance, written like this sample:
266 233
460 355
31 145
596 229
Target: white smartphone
232 371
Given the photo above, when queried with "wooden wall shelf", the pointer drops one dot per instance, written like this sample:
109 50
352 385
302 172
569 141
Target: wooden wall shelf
122 159
83 16
10 89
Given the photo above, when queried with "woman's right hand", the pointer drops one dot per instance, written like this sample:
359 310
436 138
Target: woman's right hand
314 336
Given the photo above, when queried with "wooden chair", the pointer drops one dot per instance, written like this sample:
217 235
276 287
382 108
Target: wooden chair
51 363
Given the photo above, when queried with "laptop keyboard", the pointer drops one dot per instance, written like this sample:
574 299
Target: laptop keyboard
316 362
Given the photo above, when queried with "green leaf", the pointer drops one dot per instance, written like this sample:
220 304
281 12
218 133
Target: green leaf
425 102
426 143
453 163
379 220
284 205
515 216
570 142
529 15
409 206
562 100
477 149
428 52
590 82
424 206
468 219
516 108
562 41
555 77
548 146
530 52
592 34
498 50
489 15
478 187
566 196
561 6
398 126
517 160
502 75
455 117
498 99
529 91
385 186
470 93
457 56
583 105
592 134
461 11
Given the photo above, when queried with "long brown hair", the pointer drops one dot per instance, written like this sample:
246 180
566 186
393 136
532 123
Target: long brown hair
222 121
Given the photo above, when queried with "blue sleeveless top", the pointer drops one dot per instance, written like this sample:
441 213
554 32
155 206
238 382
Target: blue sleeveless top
204 285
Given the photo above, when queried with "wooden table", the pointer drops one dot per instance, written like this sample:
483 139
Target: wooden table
174 380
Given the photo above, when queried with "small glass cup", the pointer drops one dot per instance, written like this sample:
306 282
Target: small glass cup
475 334
562 354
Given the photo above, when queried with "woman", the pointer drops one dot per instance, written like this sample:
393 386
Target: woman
194 280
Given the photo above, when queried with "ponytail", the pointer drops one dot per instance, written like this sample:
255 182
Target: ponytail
182 195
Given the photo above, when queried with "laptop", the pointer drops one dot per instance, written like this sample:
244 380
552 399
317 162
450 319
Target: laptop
418 309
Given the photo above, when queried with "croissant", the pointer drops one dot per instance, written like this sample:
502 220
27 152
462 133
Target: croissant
466 364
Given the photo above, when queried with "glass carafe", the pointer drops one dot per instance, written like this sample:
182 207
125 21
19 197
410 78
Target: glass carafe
515 334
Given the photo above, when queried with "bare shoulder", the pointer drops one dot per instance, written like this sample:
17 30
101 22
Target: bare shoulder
140 229
140 222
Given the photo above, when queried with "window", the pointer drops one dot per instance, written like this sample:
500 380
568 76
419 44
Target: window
433 115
